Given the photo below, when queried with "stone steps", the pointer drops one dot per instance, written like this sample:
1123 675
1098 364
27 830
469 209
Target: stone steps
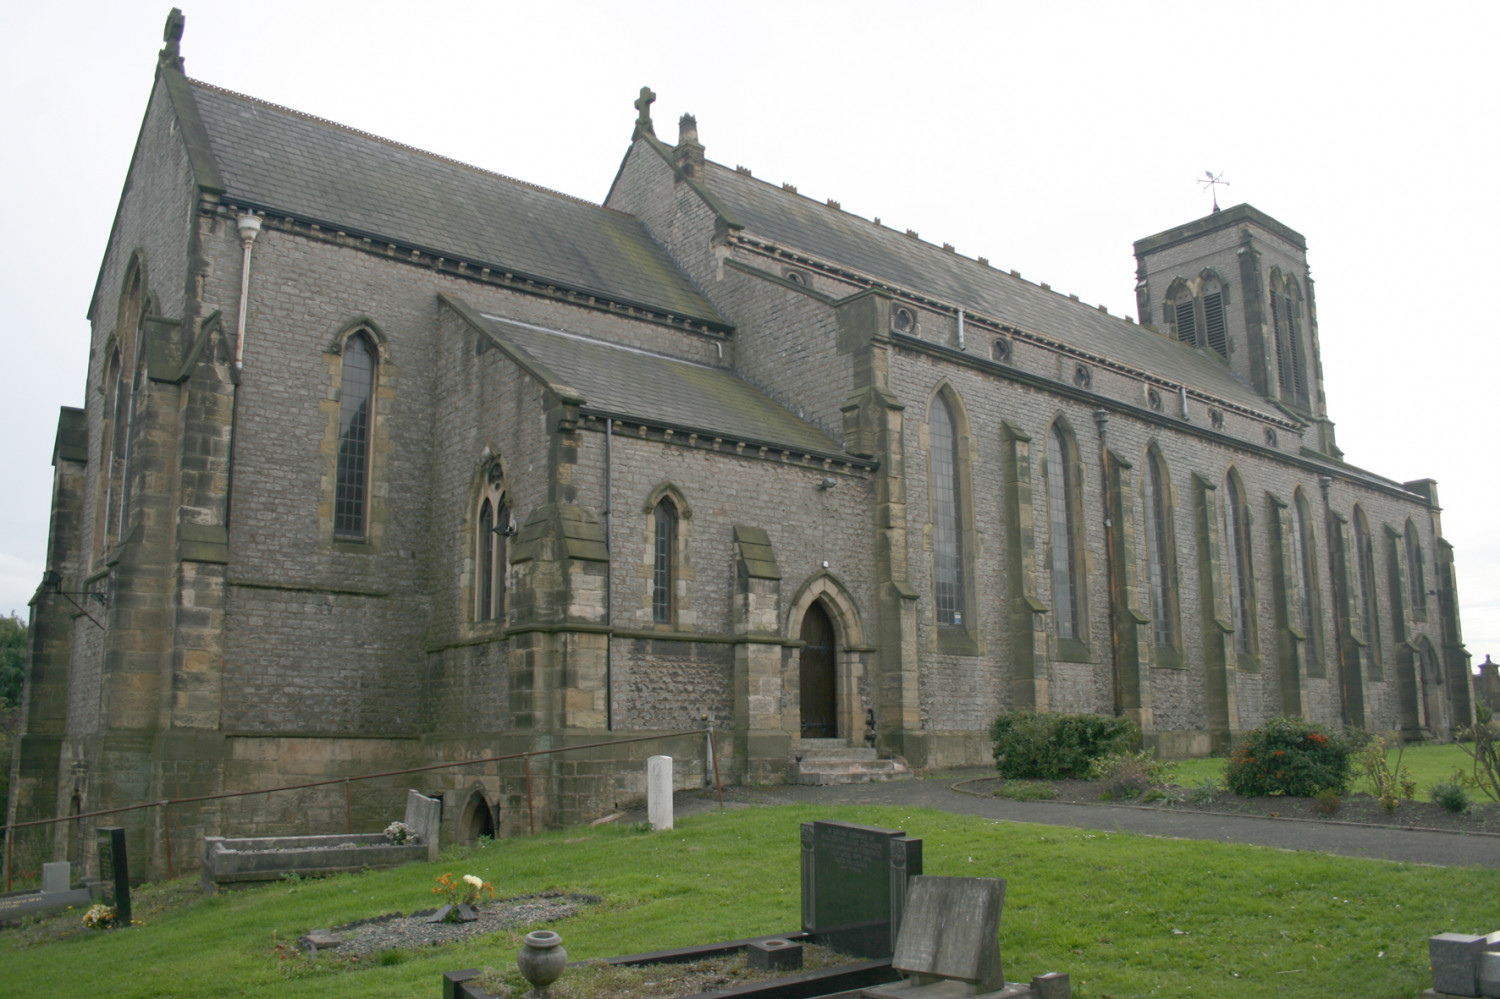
834 761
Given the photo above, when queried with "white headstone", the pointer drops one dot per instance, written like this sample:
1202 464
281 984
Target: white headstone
55 876
659 792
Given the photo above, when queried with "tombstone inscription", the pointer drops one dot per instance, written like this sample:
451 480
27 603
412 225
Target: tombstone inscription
854 885
114 872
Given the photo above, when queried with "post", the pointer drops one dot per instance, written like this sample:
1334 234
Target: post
717 784
659 792
166 835
530 815
348 809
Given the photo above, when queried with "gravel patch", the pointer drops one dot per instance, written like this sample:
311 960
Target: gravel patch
397 932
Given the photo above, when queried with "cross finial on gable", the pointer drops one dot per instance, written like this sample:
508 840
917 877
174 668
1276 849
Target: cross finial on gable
171 53
643 107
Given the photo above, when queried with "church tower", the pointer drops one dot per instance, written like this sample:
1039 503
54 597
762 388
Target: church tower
1235 284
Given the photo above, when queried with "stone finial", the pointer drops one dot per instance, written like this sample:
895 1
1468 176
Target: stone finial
689 150
643 112
171 53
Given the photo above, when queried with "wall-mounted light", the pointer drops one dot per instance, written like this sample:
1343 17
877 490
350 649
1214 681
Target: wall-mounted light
827 483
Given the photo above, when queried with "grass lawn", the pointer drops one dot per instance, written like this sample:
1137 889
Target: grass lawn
1428 764
1124 915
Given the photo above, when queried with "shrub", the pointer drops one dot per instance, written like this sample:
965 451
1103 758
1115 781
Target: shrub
1327 802
1057 747
1451 795
1288 756
1205 792
1156 771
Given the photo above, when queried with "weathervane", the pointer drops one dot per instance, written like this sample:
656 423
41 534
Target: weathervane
1213 181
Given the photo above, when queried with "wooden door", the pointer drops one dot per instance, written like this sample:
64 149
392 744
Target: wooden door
819 705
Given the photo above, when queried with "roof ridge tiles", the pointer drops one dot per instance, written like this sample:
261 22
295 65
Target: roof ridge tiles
271 105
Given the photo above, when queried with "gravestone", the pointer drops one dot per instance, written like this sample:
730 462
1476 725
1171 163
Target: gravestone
659 792
854 885
424 817
56 877
114 872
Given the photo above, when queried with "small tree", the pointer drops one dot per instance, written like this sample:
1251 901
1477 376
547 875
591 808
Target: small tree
12 660
1485 751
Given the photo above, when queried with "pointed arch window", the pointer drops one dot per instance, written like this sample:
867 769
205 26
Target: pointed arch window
351 500
1364 556
664 569
1159 551
1303 545
493 528
1062 534
947 543
1416 577
1237 547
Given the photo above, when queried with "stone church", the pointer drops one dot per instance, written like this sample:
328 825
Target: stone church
386 460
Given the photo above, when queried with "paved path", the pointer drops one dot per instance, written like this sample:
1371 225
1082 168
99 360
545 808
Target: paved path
1349 839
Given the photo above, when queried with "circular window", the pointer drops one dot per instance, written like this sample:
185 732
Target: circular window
1001 350
1082 376
903 320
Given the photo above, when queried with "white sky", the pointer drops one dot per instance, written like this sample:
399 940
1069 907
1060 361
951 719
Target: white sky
1045 136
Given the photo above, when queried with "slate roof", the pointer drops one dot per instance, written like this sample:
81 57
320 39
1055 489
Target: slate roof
823 232
306 167
656 389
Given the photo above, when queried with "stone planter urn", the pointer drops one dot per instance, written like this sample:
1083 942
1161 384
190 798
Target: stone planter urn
541 960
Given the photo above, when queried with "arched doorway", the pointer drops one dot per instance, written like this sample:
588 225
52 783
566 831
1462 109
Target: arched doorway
818 667
478 820
1435 698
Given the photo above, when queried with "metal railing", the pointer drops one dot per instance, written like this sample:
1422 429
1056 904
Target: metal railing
524 757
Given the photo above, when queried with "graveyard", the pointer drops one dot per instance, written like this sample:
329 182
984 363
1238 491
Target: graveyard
1121 915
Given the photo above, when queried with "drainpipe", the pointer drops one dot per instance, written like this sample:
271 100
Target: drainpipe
249 227
609 588
960 329
1101 418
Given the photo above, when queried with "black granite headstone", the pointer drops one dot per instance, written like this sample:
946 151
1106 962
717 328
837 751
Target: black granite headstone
114 872
854 885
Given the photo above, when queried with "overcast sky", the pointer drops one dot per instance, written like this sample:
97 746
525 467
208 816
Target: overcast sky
1044 136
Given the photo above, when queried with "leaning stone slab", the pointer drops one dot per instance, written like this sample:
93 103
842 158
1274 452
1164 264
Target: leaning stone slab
952 931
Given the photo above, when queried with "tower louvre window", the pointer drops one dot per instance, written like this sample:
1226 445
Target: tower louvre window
1294 339
1187 330
1213 323
1284 359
